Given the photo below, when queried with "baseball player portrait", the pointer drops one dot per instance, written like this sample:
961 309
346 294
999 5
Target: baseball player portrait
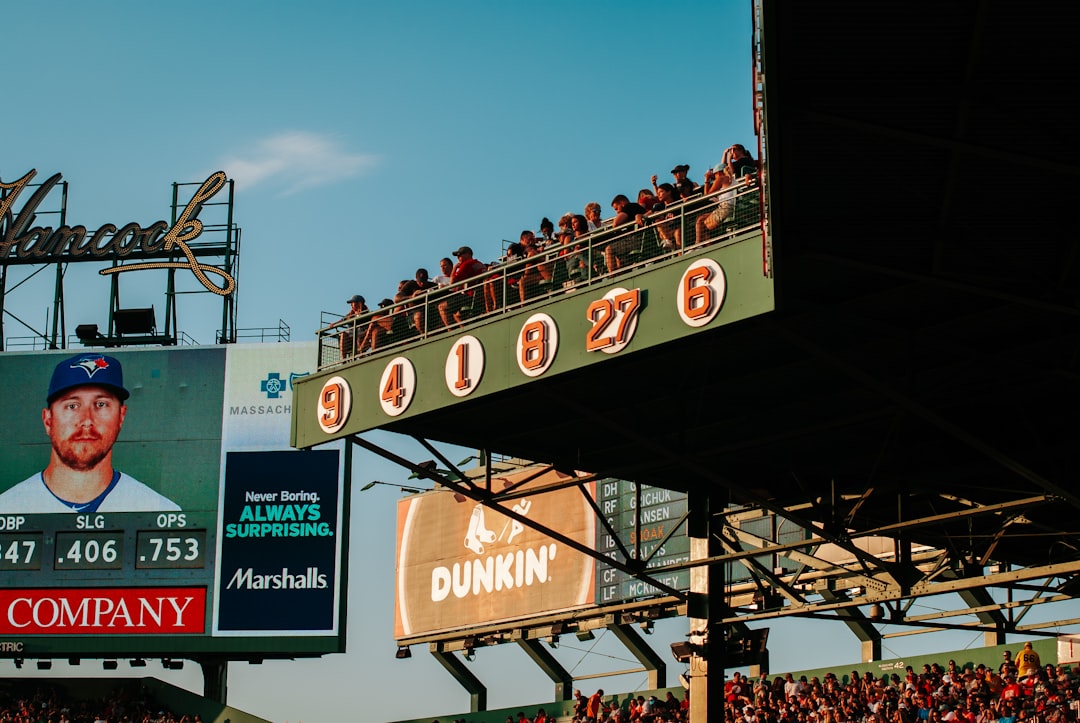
83 415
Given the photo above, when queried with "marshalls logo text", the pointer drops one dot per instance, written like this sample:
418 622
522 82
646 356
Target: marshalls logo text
247 579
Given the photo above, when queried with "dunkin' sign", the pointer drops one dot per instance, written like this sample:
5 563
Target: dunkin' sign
461 564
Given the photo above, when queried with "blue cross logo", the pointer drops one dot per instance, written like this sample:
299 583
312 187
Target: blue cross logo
273 385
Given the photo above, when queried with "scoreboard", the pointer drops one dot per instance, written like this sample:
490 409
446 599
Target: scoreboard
89 546
650 522
244 557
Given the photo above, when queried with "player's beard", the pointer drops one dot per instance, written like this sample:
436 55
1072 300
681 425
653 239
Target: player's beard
82 452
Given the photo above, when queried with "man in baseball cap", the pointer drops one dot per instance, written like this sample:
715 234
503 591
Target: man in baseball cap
349 339
83 415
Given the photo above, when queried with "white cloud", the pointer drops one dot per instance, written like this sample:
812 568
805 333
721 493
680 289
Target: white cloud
296 161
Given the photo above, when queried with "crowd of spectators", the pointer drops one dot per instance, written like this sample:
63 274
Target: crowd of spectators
46 703
573 249
1017 690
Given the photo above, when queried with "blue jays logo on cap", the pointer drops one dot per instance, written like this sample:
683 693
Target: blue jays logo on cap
83 369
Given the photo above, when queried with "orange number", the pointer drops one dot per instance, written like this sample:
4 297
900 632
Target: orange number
533 345
628 303
331 404
393 392
462 367
697 294
603 311
599 313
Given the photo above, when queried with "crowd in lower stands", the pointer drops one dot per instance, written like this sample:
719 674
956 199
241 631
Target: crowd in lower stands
1017 690
578 249
33 702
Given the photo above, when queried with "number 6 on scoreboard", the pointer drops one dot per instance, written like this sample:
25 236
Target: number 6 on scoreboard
701 292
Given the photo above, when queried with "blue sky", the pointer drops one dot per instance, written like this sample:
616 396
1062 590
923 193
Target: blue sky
366 140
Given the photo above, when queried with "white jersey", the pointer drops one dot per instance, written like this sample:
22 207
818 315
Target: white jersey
31 496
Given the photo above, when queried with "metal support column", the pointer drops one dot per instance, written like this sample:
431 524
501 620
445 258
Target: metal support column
653 663
477 690
215 678
564 681
705 612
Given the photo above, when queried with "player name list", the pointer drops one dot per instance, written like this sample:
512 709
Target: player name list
650 523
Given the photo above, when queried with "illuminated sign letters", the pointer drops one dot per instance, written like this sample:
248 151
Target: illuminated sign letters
73 243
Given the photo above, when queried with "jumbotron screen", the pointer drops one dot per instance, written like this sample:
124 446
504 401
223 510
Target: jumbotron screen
150 504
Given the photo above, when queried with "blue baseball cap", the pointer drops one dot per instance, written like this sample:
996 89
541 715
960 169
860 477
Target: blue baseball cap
78 371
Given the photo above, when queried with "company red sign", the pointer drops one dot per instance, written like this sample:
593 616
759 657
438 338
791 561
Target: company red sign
128 611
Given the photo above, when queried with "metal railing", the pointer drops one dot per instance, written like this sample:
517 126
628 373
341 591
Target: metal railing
508 287
279 333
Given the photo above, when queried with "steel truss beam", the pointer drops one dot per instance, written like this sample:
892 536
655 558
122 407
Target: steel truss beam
818 587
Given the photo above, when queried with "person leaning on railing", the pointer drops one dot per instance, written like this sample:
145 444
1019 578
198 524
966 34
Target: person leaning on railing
450 308
683 185
347 339
533 272
647 199
547 232
718 179
616 251
499 283
667 226
391 323
446 267
739 161
593 211
423 322
577 261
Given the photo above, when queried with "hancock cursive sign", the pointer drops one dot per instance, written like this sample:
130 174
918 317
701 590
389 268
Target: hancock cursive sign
73 243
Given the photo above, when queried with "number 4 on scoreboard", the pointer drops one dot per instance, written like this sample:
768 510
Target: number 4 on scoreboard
397 386
393 391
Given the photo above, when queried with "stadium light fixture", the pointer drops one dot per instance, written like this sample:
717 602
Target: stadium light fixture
403 652
88 333
584 635
44 665
135 321
469 644
18 663
682 651
74 661
109 665
137 663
